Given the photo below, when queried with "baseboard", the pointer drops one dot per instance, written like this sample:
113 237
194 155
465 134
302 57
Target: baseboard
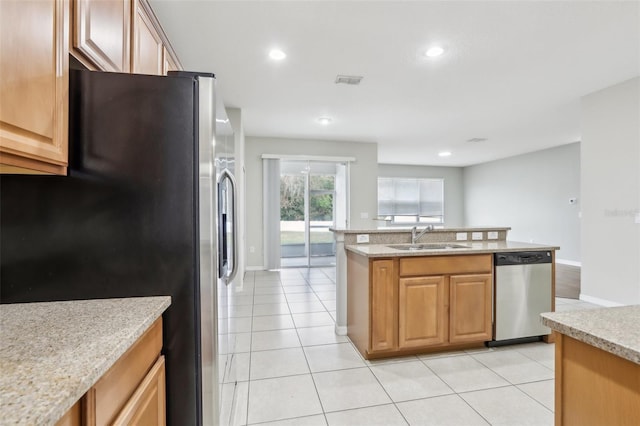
569 262
254 268
341 330
599 301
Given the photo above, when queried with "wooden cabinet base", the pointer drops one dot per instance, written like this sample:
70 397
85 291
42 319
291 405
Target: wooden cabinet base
73 417
594 387
448 347
147 405
391 312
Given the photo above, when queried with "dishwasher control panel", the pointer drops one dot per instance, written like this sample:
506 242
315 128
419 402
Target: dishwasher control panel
522 258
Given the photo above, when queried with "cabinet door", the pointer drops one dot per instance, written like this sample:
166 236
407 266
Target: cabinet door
147 52
470 305
34 85
422 312
383 305
147 405
102 33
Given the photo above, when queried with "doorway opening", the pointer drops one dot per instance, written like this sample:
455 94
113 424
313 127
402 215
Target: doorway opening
312 200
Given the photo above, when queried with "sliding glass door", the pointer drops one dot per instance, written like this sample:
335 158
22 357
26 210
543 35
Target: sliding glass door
307 211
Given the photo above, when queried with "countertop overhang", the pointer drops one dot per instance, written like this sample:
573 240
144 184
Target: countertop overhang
51 353
475 247
614 330
396 229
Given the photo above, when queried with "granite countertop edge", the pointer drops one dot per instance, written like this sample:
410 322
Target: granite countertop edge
508 246
26 401
582 325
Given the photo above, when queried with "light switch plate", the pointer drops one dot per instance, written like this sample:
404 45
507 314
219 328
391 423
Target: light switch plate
364 215
362 238
476 235
492 235
461 236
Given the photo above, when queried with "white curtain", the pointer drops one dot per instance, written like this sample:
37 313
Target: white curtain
271 208
341 217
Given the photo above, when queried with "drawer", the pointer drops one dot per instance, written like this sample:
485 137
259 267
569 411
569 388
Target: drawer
110 394
439 265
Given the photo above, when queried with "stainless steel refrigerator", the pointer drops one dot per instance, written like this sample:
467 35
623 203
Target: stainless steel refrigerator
139 214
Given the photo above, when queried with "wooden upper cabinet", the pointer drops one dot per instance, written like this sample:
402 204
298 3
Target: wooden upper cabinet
169 63
101 34
470 308
34 86
383 305
147 56
422 314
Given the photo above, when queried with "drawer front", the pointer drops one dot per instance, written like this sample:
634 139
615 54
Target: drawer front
113 390
147 405
441 265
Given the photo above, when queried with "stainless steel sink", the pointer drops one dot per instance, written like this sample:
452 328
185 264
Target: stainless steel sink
427 246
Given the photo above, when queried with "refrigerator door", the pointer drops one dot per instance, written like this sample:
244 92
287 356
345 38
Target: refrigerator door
207 270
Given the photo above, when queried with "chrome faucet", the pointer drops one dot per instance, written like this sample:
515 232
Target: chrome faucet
415 236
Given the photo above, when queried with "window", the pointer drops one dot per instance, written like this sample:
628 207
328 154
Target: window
411 200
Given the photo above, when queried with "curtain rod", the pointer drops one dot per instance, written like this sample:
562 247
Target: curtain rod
309 158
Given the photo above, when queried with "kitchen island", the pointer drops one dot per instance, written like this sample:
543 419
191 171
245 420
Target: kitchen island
54 353
435 294
597 366
480 240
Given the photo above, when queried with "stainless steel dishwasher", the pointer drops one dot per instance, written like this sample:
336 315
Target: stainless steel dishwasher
522 293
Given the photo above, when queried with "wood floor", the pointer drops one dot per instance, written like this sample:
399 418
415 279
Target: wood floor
567 281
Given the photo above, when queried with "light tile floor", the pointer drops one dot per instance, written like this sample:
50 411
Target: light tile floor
282 364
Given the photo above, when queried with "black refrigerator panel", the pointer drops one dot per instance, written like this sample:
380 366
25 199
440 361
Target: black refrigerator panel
123 223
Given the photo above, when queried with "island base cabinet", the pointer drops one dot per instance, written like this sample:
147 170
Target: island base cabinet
594 387
411 305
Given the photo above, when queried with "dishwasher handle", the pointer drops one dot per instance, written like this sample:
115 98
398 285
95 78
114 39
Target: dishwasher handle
522 258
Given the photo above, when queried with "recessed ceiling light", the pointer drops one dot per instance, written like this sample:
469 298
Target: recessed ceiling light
444 153
434 51
324 121
277 54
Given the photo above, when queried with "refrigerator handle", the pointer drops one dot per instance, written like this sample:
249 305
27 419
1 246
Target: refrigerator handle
234 209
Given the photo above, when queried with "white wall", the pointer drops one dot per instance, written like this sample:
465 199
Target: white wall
363 182
611 195
453 186
530 193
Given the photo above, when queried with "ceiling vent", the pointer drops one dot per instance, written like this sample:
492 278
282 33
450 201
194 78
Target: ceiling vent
353 80
476 140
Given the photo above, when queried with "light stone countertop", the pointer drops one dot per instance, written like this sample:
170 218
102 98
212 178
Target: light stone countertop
475 247
615 330
396 229
51 353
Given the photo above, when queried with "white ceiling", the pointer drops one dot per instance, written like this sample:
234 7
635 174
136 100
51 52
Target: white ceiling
513 71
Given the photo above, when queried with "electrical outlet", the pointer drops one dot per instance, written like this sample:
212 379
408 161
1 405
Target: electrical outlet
492 235
364 215
252 249
362 238
461 236
476 235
